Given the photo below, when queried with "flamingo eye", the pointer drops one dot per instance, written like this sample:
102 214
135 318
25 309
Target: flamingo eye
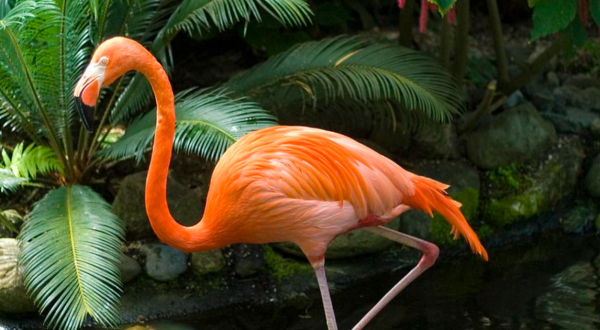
103 60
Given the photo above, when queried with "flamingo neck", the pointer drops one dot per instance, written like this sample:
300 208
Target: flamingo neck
188 239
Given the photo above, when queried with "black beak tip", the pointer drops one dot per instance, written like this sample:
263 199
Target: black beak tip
86 113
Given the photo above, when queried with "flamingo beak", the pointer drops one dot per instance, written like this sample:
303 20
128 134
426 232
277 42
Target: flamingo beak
86 94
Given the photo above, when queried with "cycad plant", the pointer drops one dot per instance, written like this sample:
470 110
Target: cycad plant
70 241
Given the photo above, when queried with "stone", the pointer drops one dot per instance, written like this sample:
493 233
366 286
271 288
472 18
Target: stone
464 187
435 141
207 262
584 99
164 263
514 99
582 81
540 186
592 179
129 267
354 243
13 297
515 136
186 205
247 259
571 120
591 98
595 128
579 218
552 79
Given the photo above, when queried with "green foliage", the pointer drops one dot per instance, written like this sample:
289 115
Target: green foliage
551 16
207 122
506 176
282 267
595 10
443 5
349 68
70 255
31 161
8 219
45 47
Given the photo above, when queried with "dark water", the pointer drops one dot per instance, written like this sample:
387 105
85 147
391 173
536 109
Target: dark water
549 283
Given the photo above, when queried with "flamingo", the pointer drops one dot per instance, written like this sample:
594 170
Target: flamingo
282 183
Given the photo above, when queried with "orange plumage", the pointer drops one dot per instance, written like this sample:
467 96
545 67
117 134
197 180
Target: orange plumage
307 185
284 183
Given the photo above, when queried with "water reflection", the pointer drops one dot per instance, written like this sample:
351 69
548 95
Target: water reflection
551 283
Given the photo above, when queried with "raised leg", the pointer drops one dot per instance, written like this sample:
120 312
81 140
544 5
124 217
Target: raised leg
329 313
430 254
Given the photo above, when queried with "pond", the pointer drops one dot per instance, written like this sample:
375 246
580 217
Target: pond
551 282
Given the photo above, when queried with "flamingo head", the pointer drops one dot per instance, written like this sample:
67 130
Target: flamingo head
113 58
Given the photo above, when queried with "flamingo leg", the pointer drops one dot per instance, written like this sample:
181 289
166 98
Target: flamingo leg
327 305
430 254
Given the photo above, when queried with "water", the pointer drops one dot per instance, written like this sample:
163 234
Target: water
549 283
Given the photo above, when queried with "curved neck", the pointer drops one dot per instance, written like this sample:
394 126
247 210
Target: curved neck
188 239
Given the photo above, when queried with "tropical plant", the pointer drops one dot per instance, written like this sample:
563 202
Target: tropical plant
70 241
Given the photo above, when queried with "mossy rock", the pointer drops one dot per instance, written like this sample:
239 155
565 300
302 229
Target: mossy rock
542 184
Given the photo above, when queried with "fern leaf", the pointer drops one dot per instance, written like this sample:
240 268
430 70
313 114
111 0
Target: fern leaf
224 13
70 254
207 122
9 182
28 162
324 71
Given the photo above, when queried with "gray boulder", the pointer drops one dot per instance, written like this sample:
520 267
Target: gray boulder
206 262
129 267
592 179
582 81
515 136
571 120
435 141
186 205
164 263
13 297
541 185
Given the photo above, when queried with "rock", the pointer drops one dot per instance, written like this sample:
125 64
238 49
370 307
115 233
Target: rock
515 136
206 262
595 128
552 79
582 81
435 141
592 179
579 219
584 99
185 204
164 263
247 259
571 120
354 243
464 187
13 297
129 267
514 99
538 188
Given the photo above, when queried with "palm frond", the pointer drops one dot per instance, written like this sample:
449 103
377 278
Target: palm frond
224 13
8 219
28 162
70 254
350 68
9 182
207 123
